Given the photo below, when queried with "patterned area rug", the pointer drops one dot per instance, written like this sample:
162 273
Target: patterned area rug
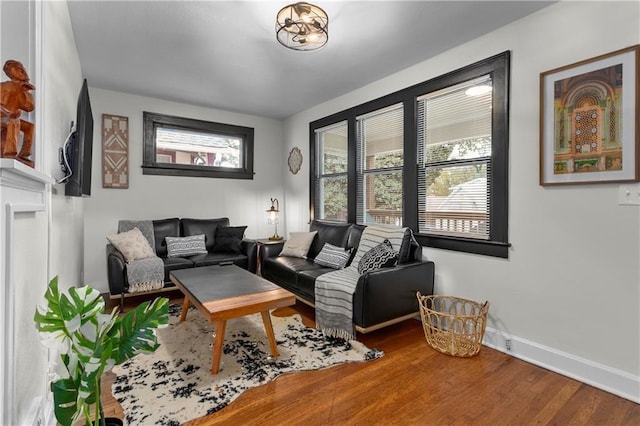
175 384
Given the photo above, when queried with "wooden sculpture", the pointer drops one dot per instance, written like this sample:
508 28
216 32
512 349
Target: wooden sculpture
15 98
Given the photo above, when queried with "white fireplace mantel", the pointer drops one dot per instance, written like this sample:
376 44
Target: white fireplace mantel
14 174
22 190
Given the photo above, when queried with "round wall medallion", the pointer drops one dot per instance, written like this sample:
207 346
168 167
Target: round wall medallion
295 160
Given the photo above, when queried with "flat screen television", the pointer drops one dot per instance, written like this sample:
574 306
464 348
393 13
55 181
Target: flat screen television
79 149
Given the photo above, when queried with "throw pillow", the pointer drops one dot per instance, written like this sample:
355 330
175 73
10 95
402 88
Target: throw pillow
229 239
145 226
332 256
132 244
298 244
381 256
185 246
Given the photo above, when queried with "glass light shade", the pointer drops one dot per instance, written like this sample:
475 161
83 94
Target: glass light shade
302 26
272 216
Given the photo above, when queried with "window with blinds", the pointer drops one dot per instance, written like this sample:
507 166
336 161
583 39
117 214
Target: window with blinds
454 160
433 157
380 159
331 154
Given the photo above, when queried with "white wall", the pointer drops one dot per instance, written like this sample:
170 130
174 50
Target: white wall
47 243
63 80
571 284
150 197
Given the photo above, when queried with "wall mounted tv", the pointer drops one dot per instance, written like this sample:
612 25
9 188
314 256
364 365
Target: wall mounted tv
80 148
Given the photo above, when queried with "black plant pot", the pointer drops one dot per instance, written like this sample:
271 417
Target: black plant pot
113 421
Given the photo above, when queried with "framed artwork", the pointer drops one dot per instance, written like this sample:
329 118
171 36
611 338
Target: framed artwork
295 160
589 131
115 151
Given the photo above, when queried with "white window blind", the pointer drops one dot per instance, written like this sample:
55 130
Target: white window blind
331 172
379 159
454 160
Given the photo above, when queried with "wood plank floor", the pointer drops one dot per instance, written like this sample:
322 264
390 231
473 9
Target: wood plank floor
416 385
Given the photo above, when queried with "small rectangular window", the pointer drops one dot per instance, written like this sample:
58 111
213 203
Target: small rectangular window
187 147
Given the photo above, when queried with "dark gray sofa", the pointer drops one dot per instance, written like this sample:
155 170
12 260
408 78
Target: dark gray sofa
175 227
382 297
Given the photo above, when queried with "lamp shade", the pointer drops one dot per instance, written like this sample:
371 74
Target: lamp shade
302 26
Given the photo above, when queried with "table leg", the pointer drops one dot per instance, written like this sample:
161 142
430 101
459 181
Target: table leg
266 319
217 346
185 309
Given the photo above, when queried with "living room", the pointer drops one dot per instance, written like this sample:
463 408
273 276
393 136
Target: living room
567 297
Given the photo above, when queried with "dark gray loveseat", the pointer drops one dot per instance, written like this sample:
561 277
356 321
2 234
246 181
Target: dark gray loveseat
382 297
175 227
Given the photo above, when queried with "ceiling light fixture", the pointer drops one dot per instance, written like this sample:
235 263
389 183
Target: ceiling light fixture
302 26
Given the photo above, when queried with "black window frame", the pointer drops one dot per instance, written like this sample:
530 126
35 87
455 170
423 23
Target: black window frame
323 176
498 67
150 165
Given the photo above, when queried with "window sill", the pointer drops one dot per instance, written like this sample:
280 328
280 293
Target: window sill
195 171
467 245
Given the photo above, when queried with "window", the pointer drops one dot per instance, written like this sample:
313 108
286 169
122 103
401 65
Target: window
185 147
331 179
454 146
380 159
433 157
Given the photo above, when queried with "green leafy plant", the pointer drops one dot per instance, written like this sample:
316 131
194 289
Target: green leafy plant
90 343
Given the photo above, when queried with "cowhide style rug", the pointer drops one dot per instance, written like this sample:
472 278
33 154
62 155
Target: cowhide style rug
175 384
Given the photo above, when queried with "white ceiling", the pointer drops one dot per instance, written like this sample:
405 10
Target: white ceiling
224 54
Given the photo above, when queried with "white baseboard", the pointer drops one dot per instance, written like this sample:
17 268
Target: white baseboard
592 373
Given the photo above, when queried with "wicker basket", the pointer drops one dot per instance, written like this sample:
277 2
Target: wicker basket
453 325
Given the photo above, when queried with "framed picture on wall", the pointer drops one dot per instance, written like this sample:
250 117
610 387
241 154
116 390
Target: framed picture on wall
589 131
115 151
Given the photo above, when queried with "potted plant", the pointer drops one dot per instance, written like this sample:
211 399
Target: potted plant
90 343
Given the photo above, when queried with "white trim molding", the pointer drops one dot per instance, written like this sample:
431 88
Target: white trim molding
592 373
22 190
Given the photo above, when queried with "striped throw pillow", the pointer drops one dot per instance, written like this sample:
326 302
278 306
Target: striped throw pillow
332 256
185 246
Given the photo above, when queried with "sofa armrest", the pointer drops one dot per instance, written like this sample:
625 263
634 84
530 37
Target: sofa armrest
116 273
271 249
250 249
390 293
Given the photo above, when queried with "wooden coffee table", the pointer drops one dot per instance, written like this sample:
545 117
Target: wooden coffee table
224 292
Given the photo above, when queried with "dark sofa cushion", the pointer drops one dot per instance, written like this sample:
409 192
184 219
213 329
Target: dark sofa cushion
354 240
307 282
165 228
203 226
335 233
229 239
294 264
216 258
174 264
285 268
405 248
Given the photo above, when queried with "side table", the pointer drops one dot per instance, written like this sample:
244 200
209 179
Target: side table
260 242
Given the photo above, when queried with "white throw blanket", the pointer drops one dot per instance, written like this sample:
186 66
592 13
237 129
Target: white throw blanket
334 290
143 274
